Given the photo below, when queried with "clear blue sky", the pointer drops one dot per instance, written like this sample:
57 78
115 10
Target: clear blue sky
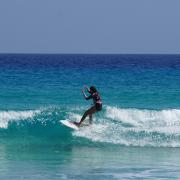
89 26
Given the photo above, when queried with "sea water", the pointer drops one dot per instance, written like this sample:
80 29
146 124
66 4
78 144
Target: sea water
135 136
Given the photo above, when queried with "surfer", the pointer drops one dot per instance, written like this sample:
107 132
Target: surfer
97 104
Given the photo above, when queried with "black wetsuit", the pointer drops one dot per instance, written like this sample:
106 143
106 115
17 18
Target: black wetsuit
97 100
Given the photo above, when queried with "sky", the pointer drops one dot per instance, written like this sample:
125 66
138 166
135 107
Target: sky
90 26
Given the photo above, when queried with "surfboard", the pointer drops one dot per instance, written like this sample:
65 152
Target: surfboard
69 124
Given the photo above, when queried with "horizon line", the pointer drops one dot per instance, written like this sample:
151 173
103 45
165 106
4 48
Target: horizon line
89 53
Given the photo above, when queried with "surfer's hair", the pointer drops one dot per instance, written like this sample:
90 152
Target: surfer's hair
93 89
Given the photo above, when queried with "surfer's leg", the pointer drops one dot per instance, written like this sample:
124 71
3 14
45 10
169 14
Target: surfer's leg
90 118
88 112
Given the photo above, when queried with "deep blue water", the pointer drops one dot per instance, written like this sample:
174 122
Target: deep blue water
139 123
138 81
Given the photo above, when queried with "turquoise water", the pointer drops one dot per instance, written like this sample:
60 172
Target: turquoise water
136 136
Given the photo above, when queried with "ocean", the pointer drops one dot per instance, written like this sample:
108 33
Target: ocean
135 136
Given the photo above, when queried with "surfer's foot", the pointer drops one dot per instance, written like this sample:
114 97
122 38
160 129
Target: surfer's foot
77 124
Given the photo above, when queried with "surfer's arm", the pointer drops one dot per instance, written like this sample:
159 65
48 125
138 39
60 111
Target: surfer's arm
89 97
85 96
85 87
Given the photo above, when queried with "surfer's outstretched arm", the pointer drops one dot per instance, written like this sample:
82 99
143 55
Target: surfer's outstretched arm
85 87
84 94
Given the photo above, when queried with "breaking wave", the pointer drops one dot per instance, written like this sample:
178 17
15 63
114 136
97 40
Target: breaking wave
114 125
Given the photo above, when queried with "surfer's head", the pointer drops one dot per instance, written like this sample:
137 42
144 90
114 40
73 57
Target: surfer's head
93 90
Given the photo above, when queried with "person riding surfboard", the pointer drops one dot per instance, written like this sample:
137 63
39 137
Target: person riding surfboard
97 104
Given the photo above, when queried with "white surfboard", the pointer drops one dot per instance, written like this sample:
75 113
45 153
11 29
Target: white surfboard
69 124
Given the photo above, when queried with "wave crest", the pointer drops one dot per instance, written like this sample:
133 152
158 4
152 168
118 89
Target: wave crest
7 116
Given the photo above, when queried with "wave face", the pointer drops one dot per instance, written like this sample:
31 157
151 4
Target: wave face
127 127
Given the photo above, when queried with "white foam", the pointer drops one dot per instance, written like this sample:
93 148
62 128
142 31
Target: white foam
6 116
145 127
74 117
145 118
